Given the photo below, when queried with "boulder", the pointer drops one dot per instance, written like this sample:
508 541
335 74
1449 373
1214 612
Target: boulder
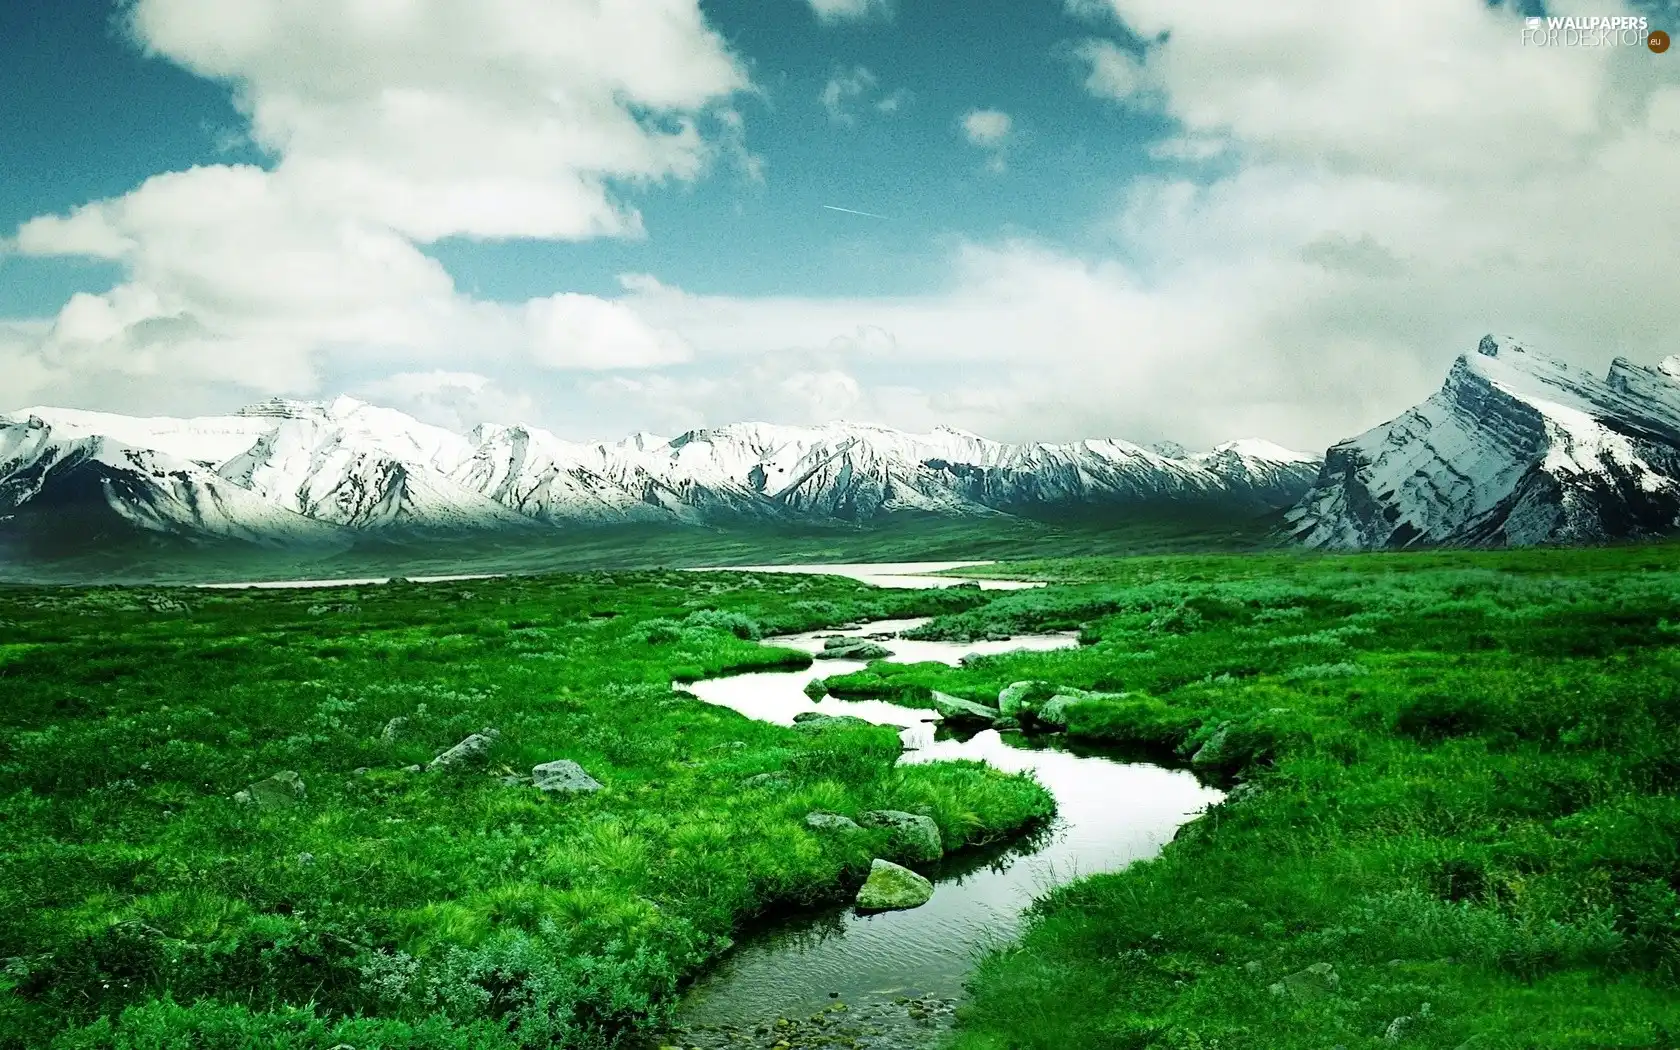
393 729
563 777
474 749
830 822
912 836
892 887
279 791
853 649
1212 751
815 721
957 711
1013 699
1315 982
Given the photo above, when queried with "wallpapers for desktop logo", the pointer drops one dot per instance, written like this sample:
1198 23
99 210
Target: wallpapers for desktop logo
1594 31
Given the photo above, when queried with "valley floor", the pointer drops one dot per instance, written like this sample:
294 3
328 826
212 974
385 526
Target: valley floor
1452 821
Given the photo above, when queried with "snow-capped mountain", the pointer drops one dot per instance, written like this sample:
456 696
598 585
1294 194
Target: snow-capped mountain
1516 448
288 471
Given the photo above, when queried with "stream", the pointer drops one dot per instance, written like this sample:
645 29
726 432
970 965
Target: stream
891 979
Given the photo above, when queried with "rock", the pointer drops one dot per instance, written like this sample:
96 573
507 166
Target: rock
1012 700
414 769
305 859
998 636
893 887
563 776
1244 792
956 710
1252 966
815 722
830 822
1315 982
1212 751
1053 712
279 791
913 837
475 748
393 729
1007 724
776 778
1396 1030
360 771
853 649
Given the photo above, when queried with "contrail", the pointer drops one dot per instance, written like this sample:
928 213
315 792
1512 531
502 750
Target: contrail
854 211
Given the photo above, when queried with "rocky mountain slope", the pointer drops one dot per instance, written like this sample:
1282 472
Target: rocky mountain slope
285 472
1516 448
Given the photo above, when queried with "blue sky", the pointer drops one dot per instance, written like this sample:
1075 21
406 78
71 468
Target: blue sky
1197 224
90 116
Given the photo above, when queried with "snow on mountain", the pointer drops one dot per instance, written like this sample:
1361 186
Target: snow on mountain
351 463
286 469
1516 448
62 479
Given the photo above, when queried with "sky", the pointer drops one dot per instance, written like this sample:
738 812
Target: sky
1031 219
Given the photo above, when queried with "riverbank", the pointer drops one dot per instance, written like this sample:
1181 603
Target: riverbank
890 979
220 824
1453 816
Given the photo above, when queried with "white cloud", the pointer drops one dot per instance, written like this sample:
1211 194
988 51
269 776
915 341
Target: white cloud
581 331
845 87
391 124
987 128
833 11
1113 72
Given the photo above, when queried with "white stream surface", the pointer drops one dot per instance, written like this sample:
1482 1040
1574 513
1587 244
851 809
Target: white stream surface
1109 813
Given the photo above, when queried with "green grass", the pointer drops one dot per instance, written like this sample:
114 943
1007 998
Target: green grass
141 906
1462 773
1458 773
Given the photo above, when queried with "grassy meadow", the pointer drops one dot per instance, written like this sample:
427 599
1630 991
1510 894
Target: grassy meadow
1452 819
141 905
1457 826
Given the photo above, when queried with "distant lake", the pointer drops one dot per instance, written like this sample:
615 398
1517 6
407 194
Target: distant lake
889 574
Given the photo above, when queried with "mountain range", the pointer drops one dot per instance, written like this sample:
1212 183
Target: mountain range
1516 448
292 472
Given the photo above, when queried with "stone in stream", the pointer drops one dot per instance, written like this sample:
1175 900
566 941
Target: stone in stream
475 748
279 791
1053 712
957 711
912 836
853 649
815 721
1013 699
563 777
891 887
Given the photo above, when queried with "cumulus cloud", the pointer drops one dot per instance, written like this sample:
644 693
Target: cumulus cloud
391 126
833 11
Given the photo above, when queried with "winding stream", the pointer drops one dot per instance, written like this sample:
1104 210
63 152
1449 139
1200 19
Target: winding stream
1109 813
